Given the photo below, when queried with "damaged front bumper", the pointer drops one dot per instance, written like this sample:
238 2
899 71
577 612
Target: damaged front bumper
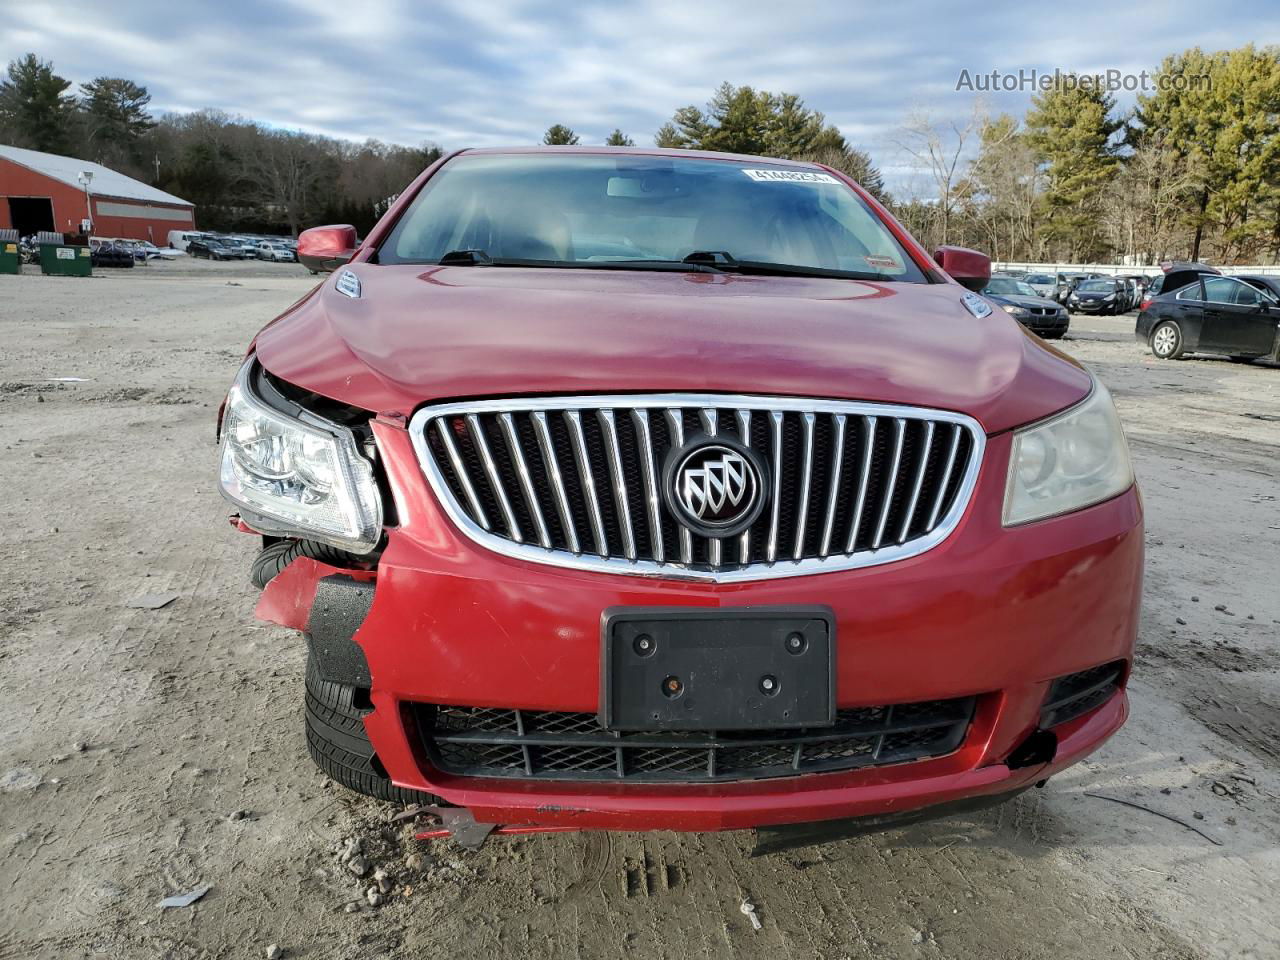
992 614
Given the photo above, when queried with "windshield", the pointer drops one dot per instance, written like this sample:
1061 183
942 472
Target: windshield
1009 287
1040 278
633 211
1098 286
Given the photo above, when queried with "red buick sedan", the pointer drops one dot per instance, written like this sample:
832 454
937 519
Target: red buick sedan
644 489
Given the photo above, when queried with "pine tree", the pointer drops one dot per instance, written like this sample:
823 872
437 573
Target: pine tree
35 109
1070 128
1220 114
619 139
559 135
115 111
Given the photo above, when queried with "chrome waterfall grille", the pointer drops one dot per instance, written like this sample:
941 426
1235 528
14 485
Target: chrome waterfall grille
586 482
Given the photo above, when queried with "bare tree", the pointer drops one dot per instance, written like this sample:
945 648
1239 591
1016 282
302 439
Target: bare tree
286 169
937 147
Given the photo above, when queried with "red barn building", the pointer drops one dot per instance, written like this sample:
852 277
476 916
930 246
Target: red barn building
43 191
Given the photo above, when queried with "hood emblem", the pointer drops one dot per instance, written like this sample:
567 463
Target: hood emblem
976 305
715 486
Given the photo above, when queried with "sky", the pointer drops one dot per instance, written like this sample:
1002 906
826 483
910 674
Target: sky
499 72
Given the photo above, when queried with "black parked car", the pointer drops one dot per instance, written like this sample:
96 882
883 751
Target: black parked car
109 253
1017 298
1105 295
212 248
1177 274
1234 316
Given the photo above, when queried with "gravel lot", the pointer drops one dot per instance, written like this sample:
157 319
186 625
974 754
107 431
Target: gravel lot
151 752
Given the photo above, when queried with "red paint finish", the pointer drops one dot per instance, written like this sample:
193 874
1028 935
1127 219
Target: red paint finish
69 207
991 612
427 333
969 268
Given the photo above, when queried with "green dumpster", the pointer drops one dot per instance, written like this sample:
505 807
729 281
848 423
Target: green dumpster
61 260
10 255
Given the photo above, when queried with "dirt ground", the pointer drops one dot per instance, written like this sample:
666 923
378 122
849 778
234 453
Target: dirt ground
151 752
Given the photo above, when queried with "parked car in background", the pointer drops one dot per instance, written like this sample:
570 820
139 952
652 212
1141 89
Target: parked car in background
1018 298
1105 295
274 250
110 253
1140 282
1213 314
212 248
1044 284
1177 274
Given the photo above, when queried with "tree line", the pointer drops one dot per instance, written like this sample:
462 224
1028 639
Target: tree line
1191 171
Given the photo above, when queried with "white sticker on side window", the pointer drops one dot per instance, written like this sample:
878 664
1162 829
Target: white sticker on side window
790 176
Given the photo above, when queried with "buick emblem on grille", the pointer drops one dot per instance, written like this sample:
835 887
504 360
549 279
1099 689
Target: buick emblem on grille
715 486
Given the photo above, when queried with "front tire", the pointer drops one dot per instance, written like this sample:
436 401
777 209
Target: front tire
339 745
1166 340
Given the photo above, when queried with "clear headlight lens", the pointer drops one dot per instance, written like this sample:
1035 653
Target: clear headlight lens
297 478
1071 461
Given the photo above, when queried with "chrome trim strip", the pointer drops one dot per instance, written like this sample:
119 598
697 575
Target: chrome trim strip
526 480
946 477
553 472
446 437
837 458
771 552
675 423
619 481
495 480
868 445
786 568
899 428
806 477
744 433
915 489
710 424
645 439
579 443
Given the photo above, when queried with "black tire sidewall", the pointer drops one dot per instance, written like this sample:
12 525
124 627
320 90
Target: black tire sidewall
339 745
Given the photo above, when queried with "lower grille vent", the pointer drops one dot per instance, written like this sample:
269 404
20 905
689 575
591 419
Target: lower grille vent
541 745
1077 693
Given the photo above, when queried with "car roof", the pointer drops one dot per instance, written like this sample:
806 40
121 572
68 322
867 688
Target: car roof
584 150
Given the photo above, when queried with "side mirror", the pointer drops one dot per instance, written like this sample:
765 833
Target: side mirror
324 249
969 268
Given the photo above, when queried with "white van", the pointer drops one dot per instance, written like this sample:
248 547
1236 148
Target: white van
178 239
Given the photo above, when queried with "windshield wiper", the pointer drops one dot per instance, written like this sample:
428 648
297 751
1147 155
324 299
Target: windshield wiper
700 261
725 261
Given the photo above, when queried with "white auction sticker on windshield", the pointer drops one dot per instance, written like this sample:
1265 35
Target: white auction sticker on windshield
790 176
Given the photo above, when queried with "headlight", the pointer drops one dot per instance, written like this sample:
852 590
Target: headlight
1016 311
1109 296
1068 462
297 477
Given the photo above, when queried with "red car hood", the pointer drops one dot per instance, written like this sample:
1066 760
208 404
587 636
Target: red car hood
420 334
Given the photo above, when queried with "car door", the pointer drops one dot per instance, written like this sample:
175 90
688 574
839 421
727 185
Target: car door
1239 319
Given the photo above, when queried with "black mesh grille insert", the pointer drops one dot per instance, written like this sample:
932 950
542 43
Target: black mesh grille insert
1077 693
850 480
543 745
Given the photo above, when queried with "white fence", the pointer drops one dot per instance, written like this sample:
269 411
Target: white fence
1111 269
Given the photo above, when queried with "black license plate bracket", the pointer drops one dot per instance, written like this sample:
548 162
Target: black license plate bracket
690 668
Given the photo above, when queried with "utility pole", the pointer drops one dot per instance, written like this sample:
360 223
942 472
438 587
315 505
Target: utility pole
157 180
86 178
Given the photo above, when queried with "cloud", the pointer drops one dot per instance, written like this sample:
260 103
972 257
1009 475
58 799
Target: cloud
461 73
